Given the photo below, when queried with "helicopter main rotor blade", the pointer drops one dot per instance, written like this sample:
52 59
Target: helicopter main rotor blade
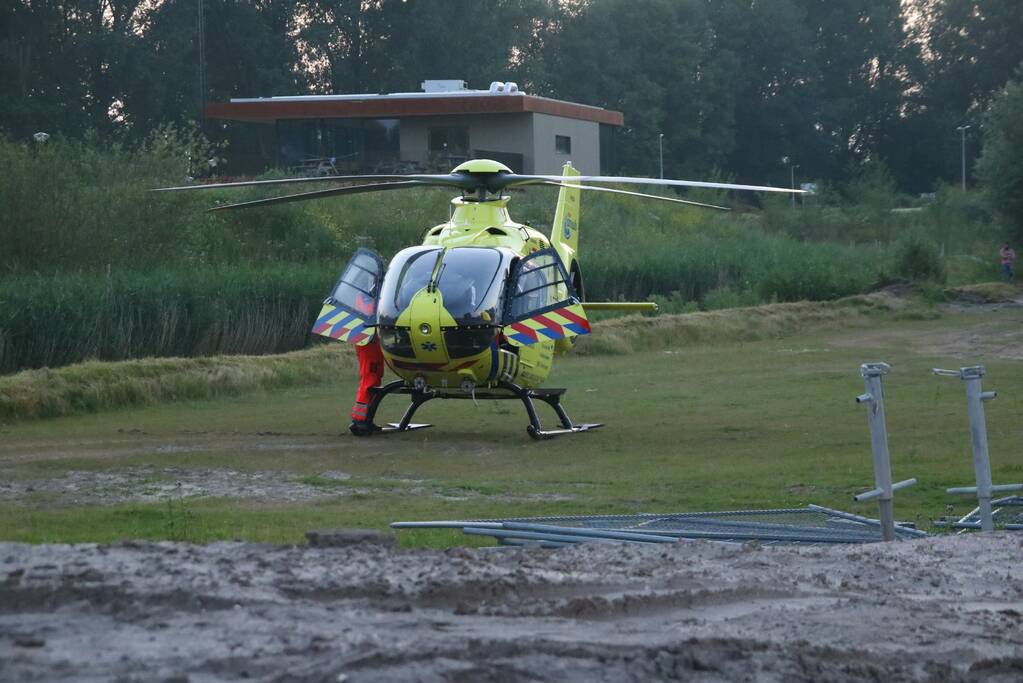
635 194
320 194
514 179
446 180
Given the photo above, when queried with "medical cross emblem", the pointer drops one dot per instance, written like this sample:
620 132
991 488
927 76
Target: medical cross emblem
429 346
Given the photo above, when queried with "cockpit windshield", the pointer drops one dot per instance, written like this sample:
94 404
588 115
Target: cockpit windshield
470 280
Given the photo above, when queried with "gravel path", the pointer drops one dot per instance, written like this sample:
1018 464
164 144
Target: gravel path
942 609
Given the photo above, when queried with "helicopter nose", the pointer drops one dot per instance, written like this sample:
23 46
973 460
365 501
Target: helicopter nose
427 318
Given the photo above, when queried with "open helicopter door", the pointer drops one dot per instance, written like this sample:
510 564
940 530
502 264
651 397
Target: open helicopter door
541 304
350 312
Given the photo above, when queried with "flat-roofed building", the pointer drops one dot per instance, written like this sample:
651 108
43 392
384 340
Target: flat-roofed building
434 130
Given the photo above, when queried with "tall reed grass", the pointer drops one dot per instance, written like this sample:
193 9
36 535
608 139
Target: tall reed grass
53 320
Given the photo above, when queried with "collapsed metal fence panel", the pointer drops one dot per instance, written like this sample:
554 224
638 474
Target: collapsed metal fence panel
1006 513
787 526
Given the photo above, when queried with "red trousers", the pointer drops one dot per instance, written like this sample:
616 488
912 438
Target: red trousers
371 372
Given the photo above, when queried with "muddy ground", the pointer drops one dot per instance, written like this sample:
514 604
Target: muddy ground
939 609
154 484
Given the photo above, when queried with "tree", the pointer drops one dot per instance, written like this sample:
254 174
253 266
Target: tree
648 59
358 46
62 64
123 67
763 52
862 78
974 48
248 54
1000 167
969 49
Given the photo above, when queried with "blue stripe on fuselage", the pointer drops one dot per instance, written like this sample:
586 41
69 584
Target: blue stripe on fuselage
341 323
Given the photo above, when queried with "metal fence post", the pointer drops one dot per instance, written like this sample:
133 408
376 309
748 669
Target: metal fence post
975 398
883 487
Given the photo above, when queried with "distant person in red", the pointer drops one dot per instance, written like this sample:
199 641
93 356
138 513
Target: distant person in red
1008 256
371 371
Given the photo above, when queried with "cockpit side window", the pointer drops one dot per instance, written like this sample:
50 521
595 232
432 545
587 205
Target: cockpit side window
415 275
408 274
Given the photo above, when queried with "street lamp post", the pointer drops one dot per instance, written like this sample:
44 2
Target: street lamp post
962 133
792 182
660 151
202 65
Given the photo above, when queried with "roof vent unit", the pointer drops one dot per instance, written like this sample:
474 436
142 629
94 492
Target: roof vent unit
442 86
499 88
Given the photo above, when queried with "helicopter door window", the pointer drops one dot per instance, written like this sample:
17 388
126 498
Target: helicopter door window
359 285
540 283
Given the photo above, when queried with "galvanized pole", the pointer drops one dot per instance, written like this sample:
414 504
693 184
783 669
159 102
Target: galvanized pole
874 398
660 152
792 182
962 131
975 398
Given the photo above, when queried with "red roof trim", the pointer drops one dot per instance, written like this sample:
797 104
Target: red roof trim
269 110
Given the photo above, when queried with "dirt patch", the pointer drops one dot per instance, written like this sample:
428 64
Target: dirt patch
155 484
947 609
135 442
1000 337
987 293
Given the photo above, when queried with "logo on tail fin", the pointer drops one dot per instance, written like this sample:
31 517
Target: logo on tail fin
569 226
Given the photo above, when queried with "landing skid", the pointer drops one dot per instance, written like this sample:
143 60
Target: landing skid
503 391
396 427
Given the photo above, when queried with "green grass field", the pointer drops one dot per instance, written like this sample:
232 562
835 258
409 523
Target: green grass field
691 425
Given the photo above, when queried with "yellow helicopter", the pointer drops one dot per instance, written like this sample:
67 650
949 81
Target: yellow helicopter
480 309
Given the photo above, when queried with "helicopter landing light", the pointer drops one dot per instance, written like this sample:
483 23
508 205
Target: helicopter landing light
425 329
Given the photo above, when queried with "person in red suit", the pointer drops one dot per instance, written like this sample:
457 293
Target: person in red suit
371 371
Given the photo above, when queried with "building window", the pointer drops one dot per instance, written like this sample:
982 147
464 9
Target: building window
449 139
562 144
338 146
448 147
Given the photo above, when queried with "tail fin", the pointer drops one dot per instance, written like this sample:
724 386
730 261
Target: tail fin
565 233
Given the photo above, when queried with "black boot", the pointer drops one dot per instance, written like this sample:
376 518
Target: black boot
362 428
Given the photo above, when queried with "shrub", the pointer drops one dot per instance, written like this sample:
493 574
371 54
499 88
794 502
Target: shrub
919 259
726 297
